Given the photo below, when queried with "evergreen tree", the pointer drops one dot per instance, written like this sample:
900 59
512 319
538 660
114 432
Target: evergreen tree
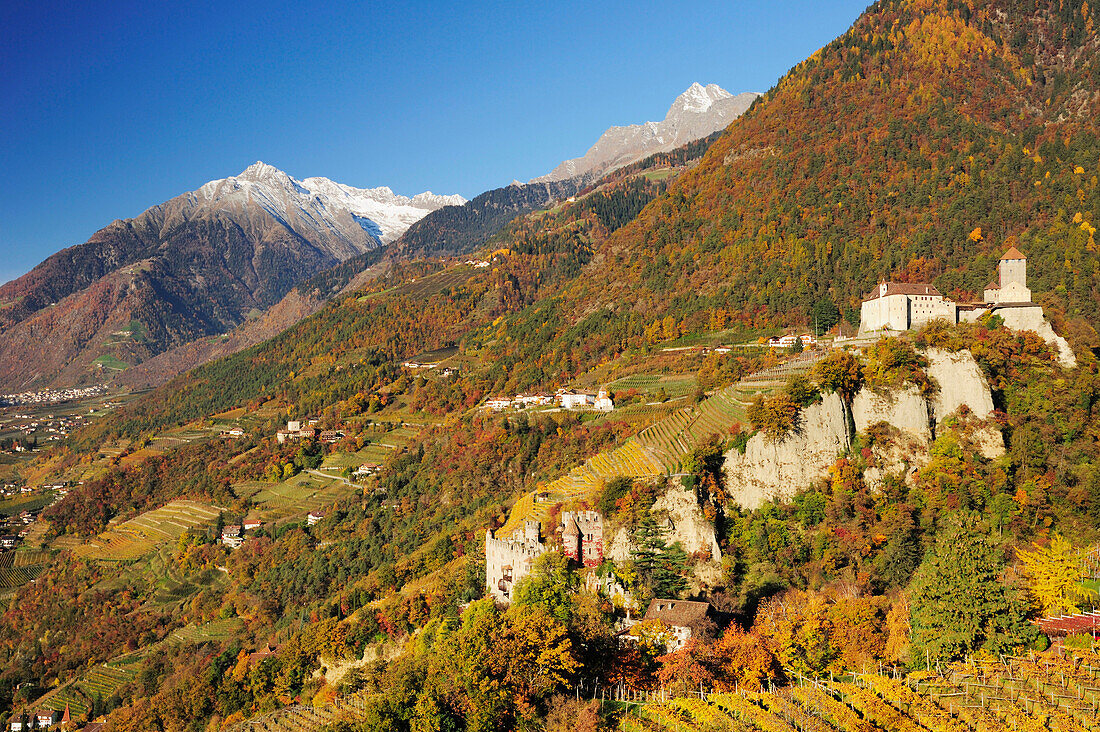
958 602
659 566
902 553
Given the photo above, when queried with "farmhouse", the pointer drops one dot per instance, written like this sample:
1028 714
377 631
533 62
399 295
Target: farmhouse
366 469
785 341
603 402
507 561
574 399
684 618
232 536
47 717
537 399
498 403
314 517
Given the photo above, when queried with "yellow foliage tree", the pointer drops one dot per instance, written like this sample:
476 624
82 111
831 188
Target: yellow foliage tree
1055 572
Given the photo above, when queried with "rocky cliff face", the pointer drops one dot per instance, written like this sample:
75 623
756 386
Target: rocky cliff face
780 469
906 410
777 469
689 526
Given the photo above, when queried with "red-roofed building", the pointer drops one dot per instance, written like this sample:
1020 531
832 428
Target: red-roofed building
900 306
1011 284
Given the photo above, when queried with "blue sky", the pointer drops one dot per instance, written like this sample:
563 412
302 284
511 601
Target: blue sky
109 108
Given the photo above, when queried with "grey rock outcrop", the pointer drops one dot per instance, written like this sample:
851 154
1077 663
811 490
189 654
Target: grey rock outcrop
771 469
906 409
960 381
779 469
689 526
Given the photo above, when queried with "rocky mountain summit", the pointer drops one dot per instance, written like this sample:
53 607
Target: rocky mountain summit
698 112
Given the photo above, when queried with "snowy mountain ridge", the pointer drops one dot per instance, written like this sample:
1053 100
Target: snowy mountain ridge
697 112
317 202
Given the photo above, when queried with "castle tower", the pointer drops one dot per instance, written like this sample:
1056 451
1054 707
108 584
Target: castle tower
1012 273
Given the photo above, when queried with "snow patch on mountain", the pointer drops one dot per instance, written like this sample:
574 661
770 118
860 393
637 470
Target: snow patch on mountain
698 112
319 203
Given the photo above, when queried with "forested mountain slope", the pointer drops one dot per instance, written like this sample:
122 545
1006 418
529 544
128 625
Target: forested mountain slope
917 146
457 230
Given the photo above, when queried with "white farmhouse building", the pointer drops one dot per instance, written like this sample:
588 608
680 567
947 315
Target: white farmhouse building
574 399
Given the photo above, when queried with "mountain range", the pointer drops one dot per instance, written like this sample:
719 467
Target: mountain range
195 266
227 257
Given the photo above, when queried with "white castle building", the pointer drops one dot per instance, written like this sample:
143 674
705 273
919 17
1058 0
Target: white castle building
507 561
896 306
902 306
1011 285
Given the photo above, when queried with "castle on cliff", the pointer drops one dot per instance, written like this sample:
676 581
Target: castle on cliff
507 561
901 306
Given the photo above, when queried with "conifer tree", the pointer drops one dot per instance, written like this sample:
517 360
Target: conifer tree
958 601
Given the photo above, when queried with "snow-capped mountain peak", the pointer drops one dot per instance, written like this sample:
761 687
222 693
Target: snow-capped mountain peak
697 99
318 203
697 112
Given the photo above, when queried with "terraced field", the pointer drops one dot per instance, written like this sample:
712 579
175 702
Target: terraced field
298 495
374 453
657 450
297 718
676 385
1048 693
430 284
18 576
24 558
137 537
99 683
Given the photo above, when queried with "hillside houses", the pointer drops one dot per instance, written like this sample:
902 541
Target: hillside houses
576 399
786 341
296 431
571 399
